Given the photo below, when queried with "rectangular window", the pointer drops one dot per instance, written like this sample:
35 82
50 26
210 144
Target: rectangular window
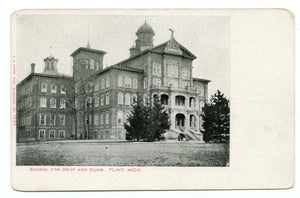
61 133
42 119
62 120
51 133
52 119
42 133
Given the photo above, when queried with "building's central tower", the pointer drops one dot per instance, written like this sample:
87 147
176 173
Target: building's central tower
144 41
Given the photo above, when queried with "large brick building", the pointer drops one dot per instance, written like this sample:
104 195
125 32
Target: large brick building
103 96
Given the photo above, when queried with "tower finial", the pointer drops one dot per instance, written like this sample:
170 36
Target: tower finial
172 32
88 44
50 51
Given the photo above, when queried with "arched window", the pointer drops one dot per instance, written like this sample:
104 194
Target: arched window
96 119
107 82
43 102
145 84
53 88
44 87
127 82
145 99
97 65
87 63
107 99
92 64
102 84
52 103
76 103
102 100
192 102
158 82
201 105
179 100
127 99
107 118
101 119
120 81
97 86
154 82
63 104
155 97
164 99
133 99
192 121
89 87
120 98
96 101
120 117
134 86
62 89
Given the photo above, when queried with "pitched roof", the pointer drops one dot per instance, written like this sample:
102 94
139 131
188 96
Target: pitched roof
62 76
118 68
161 50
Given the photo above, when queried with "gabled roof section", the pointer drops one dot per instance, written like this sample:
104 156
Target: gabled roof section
173 47
161 50
87 50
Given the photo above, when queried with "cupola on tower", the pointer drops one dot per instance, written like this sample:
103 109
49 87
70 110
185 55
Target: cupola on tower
50 65
144 41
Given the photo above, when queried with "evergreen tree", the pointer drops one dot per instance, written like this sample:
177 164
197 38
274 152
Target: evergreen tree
160 121
147 122
135 123
216 118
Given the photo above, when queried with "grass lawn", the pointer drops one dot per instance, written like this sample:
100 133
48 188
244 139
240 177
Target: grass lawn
123 154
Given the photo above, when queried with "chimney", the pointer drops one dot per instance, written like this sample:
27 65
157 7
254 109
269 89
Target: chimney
32 67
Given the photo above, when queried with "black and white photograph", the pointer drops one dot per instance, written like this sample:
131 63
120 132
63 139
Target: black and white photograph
122 90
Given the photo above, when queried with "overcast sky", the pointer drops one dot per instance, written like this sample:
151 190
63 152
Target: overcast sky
208 38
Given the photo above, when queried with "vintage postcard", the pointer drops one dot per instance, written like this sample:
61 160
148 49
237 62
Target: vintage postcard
152 99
